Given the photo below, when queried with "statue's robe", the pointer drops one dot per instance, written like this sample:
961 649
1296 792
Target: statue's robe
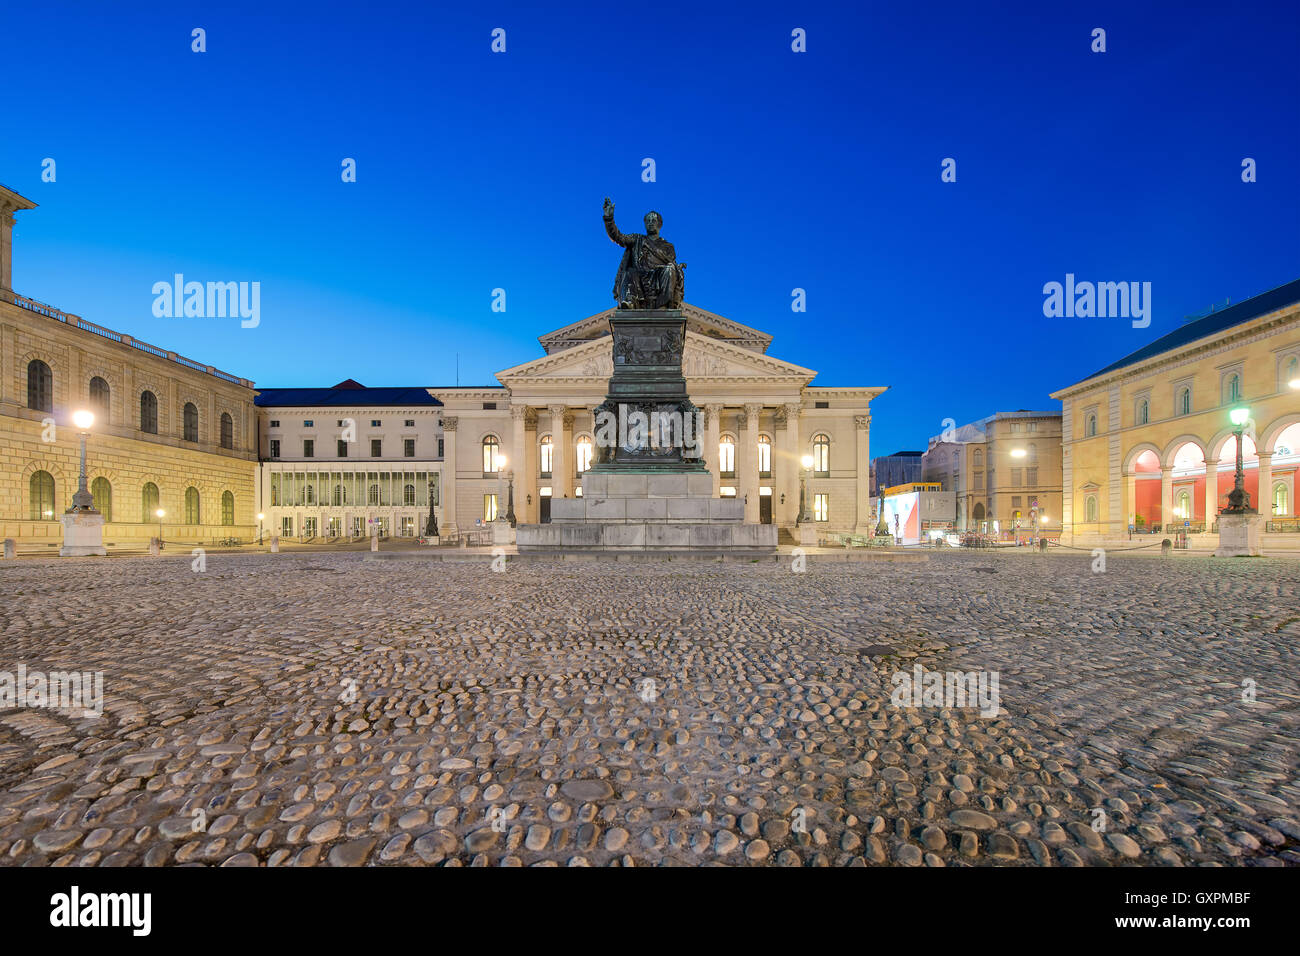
648 276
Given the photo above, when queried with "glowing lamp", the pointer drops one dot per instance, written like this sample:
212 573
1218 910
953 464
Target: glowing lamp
1017 453
1239 416
83 419
806 461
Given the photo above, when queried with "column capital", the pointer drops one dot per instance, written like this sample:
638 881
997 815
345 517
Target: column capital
753 410
557 411
567 420
862 422
449 423
519 411
1261 455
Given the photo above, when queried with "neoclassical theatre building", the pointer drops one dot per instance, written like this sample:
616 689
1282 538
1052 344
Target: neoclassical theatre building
761 416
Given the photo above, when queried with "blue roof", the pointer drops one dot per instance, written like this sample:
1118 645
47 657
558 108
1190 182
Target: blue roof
347 393
1215 322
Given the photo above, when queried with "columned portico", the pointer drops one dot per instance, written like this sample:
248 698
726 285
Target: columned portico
712 414
561 451
1166 497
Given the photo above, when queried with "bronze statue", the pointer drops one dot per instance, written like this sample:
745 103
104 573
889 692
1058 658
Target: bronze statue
649 276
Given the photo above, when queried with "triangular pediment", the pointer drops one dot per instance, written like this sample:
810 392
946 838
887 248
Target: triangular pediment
700 321
703 359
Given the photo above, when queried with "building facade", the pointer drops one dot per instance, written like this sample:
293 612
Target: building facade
170 433
1148 442
339 463
760 416
1004 470
900 468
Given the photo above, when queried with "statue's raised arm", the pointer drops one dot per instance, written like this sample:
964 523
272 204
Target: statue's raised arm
649 277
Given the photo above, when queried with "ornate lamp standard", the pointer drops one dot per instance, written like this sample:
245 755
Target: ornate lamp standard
1239 497
160 514
83 525
805 515
510 499
260 518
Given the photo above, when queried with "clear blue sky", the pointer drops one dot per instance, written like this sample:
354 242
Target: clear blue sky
775 170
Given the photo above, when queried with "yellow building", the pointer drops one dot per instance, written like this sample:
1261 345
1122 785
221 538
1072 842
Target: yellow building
1148 443
169 433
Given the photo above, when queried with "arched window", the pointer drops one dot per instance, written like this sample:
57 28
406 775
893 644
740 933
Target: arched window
979 458
372 496
1090 426
227 508
583 448
408 495
99 393
977 513
1090 509
149 412
1184 401
340 495
1232 389
191 505
821 445
1033 452
764 456
102 492
491 455
227 431
41 492
191 422
1281 499
148 501
1291 377
309 493
547 452
1144 412
40 386
1183 508
726 455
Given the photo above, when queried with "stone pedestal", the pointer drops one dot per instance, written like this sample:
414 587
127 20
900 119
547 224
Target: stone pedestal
1239 536
502 533
807 535
83 534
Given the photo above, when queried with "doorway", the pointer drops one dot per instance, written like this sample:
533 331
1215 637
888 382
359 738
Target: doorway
765 505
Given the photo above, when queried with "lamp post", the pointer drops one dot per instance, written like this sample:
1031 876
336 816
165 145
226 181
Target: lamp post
260 518
160 514
804 515
510 500
501 486
83 500
1239 497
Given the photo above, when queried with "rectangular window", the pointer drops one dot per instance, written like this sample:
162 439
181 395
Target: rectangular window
308 423
1016 474
1031 477
309 527
335 527
410 423
375 423
489 406
1015 501
275 448
275 423
979 481
376 448
343 448
1033 426
407 529
821 507
408 447
439 447
726 492
308 448
286 526
489 508
821 404
1015 427
358 526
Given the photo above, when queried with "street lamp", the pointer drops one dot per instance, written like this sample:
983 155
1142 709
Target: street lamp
160 514
1017 453
83 500
260 516
510 500
1238 497
501 477
804 515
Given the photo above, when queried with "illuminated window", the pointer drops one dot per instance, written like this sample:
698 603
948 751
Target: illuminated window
1184 508
148 501
372 495
547 450
821 507
821 445
102 492
1281 499
227 508
408 495
1233 388
1090 509
191 505
584 454
726 491
41 490
491 455
489 508
764 456
726 455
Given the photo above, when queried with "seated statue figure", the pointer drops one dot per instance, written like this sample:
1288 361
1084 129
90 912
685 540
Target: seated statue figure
649 277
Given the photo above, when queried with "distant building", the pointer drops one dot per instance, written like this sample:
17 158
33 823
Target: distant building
1004 470
897 469
916 511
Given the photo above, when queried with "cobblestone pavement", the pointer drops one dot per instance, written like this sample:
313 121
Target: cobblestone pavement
504 719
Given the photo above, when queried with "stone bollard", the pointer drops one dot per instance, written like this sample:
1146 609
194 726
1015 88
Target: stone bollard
1166 548
155 547
275 544
1042 544
10 549
374 542
464 541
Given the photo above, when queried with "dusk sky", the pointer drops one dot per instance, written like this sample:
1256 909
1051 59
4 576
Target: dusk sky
775 170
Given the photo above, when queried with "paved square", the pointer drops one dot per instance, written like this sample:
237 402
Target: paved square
313 708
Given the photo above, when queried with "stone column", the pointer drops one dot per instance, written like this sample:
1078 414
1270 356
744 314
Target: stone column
1264 504
528 512
518 463
1166 498
6 245
747 462
448 491
561 450
1211 492
1130 499
712 425
794 467
781 468
862 445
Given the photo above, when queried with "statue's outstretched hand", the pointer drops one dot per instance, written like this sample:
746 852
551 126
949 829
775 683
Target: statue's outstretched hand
609 208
